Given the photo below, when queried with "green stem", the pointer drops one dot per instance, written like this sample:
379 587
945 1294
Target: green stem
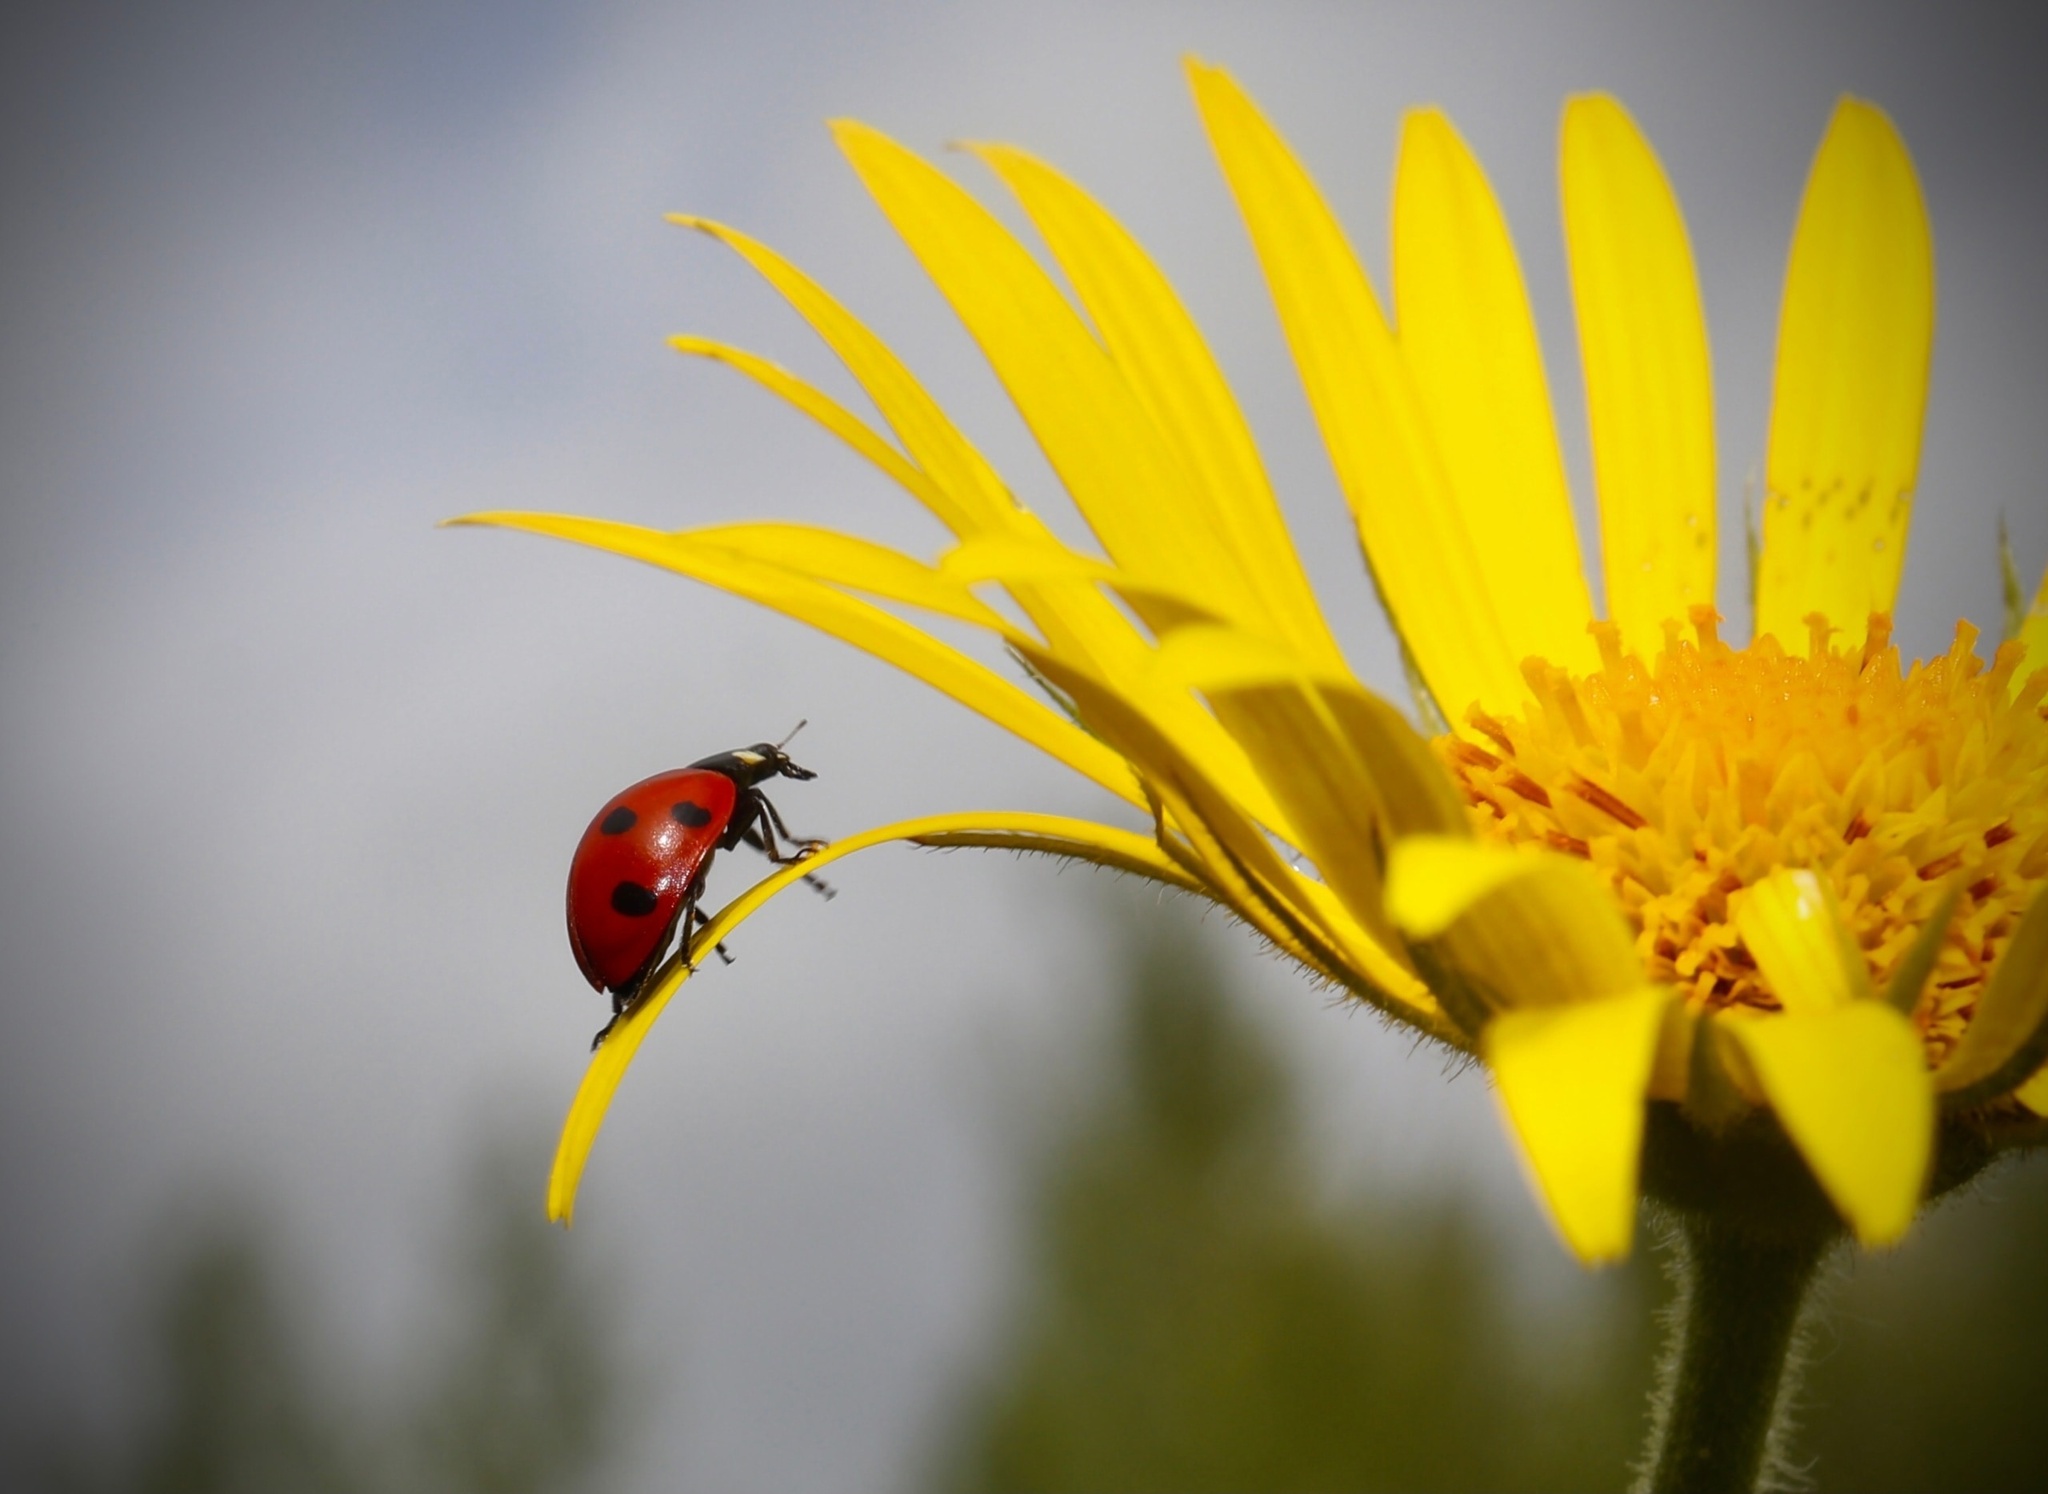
1724 1384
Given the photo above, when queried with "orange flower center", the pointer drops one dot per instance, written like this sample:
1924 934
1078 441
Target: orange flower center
1684 781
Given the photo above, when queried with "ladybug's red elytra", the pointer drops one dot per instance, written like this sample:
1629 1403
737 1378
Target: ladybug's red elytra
639 869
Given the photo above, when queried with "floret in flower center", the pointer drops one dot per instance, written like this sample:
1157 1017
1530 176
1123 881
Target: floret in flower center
1685 780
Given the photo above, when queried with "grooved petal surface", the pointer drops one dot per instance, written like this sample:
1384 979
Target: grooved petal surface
1649 384
1855 337
1573 1080
1469 340
1850 1088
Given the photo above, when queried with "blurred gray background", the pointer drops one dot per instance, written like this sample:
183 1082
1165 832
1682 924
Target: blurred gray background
290 779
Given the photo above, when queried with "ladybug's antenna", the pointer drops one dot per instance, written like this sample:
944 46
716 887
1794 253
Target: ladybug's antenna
792 733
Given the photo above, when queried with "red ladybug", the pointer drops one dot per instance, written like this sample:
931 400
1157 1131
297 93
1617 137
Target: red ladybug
639 869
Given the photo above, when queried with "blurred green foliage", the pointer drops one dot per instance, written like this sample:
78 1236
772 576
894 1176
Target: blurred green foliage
1196 1317
515 1387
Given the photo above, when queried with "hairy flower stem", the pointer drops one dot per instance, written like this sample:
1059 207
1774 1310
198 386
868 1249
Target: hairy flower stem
1723 1384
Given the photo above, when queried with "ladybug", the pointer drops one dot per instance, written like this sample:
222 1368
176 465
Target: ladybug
639 869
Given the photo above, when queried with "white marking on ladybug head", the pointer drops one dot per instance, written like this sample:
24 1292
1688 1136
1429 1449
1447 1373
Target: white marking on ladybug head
751 758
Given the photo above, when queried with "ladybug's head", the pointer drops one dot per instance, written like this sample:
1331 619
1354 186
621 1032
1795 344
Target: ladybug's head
748 766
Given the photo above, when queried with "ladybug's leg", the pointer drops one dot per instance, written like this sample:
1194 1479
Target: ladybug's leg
765 844
697 919
803 847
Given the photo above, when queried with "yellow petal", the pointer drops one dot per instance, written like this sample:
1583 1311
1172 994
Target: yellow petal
1346 804
829 413
846 560
2007 1039
1573 1080
1433 880
1163 356
608 1064
1076 840
1850 1088
1794 929
1855 335
1372 420
1028 564
972 495
2034 1093
862 624
959 486
1239 859
2034 634
1512 928
1649 383
1099 438
1466 332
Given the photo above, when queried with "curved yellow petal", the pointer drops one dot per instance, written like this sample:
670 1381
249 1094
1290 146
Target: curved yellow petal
829 413
1506 928
847 560
1855 337
1168 365
2034 634
2007 1039
609 1063
1099 438
1241 861
1465 329
2034 1093
959 486
1573 1080
1045 568
1076 840
1793 927
973 497
1433 880
1371 417
1850 1088
1649 379
849 619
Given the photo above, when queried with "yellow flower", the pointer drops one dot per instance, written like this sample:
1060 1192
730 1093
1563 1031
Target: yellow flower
1640 868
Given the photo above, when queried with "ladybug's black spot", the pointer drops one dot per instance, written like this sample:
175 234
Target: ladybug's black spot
696 816
619 821
633 900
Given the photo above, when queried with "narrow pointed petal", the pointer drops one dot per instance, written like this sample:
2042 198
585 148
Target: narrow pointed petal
1242 861
959 486
1415 795
1372 420
1573 1080
2034 634
829 413
1075 840
2007 1039
862 624
973 496
1465 329
847 560
1649 382
1099 438
1163 356
1433 880
615 1054
1794 929
1850 1088
1909 977
1511 928
2034 1093
1280 708
1855 338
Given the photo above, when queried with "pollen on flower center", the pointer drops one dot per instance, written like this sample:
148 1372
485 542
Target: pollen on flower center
1686 780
